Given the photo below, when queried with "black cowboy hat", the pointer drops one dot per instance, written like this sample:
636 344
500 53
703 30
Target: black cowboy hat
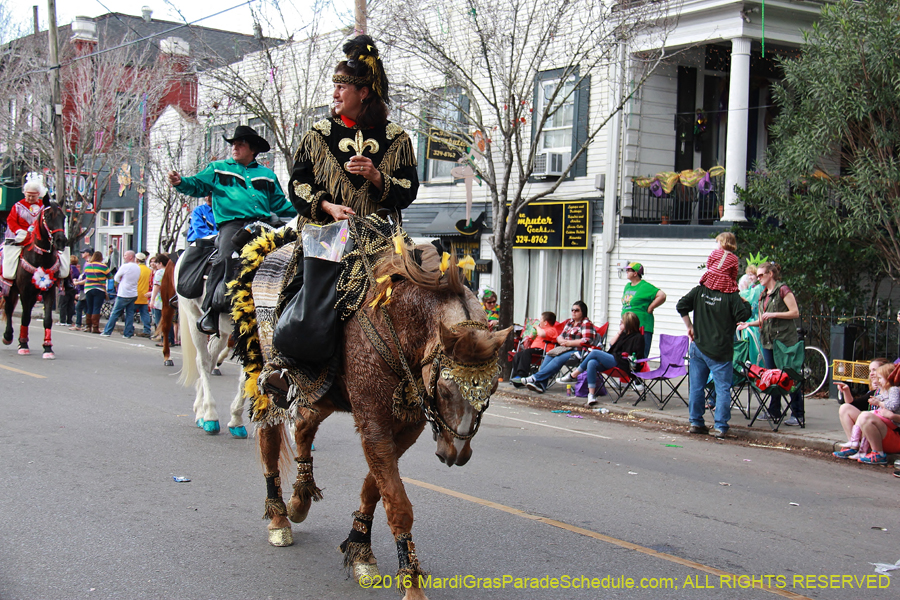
242 132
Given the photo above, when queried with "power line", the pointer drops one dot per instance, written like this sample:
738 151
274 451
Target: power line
143 39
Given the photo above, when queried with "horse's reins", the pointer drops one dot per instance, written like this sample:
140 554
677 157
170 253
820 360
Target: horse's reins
400 366
30 268
43 224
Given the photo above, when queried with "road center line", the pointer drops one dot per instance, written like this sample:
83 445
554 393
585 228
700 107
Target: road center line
596 435
597 536
21 372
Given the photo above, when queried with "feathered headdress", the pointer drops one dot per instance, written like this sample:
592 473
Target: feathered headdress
362 58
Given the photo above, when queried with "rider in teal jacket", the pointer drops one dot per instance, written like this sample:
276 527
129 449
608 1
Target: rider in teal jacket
242 191
238 192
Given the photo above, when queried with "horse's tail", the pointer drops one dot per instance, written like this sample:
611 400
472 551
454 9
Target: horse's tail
285 454
189 372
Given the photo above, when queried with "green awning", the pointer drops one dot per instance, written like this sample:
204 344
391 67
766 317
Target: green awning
9 196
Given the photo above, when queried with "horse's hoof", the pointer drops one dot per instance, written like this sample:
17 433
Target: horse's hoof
169 363
238 432
200 423
48 356
366 572
281 537
6 342
216 371
211 427
298 511
24 351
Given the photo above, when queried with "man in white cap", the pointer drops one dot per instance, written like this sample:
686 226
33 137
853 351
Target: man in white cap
21 225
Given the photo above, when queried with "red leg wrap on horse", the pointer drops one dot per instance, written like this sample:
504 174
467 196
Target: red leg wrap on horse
46 337
23 332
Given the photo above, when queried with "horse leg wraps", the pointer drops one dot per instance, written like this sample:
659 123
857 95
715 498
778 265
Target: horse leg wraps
47 341
409 563
358 545
305 486
274 504
23 334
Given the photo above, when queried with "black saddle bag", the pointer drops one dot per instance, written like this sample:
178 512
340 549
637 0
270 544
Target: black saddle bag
306 331
194 263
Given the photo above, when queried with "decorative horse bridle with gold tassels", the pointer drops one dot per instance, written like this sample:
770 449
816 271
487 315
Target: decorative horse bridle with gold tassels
473 379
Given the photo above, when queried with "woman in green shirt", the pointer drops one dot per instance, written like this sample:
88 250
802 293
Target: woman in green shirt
641 298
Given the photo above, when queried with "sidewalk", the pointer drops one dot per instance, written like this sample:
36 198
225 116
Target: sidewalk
823 431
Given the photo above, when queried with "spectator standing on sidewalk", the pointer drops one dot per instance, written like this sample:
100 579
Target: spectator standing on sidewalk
779 320
95 275
80 300
69 291
142 302
127 277
577 332
641 298
716 315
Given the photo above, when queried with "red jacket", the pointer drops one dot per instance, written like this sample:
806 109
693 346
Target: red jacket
22 217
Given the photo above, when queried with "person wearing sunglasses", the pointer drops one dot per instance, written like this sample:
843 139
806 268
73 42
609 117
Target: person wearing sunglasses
577 331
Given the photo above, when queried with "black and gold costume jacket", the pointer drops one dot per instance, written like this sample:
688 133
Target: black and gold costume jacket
319 172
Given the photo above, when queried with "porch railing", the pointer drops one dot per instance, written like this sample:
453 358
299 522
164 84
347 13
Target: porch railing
867 334
683 206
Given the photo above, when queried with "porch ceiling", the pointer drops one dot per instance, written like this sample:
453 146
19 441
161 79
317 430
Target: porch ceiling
705 21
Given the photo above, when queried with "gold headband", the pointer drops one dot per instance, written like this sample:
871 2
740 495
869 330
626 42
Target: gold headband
351 79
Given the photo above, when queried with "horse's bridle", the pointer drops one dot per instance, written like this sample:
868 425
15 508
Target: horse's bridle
43 224
474 381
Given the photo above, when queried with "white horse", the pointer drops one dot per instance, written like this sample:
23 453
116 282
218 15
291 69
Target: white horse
201 356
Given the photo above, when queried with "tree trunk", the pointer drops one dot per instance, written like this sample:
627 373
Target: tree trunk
507 305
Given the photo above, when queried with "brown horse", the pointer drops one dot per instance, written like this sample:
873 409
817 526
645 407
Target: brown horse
41 262
167 316
444 343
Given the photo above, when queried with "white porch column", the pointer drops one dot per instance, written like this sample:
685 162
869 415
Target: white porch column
736 141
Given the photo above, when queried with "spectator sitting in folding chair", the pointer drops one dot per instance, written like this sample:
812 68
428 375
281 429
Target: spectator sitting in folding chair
543 341
717 308
629 342
577 332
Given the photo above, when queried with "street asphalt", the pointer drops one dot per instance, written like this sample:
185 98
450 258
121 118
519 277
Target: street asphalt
89 507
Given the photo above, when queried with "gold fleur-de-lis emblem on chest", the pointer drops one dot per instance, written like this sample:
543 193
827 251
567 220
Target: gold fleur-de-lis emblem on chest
359 144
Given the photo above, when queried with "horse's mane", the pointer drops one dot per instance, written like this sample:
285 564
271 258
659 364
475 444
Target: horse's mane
422 266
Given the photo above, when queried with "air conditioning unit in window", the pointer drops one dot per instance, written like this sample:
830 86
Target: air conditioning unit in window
550 164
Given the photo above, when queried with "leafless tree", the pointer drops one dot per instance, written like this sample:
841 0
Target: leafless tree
489 60
281 88
175 146
110 99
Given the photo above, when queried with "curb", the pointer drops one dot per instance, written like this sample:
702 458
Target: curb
736 433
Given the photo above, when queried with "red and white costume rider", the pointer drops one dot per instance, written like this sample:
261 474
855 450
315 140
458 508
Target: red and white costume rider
20 228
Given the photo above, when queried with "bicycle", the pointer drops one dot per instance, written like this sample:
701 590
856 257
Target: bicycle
815 370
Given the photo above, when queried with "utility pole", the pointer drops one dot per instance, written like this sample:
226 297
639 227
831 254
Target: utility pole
59 141
360 17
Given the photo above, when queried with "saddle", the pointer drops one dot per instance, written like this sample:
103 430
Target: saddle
195 263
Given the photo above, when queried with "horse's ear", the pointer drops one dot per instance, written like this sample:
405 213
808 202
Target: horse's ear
500 337
448 338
